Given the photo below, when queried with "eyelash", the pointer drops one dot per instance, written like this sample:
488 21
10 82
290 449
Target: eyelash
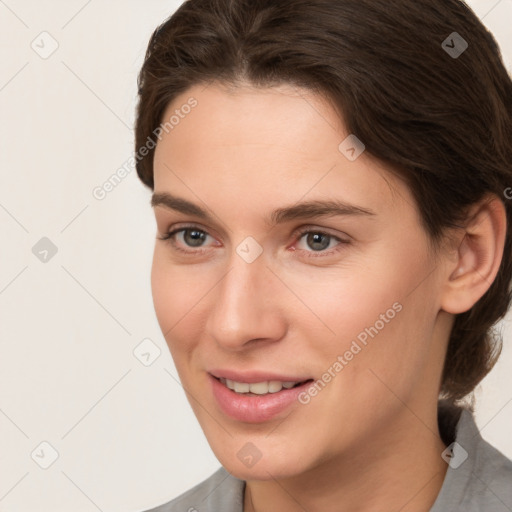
169 238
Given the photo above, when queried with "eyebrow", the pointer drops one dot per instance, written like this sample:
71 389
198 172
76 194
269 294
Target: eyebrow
315 208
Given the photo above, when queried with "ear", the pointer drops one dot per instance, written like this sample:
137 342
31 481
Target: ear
478 256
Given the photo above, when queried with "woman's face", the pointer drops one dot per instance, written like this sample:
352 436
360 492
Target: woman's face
264 290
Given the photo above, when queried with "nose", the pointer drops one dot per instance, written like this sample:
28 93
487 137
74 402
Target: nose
247 306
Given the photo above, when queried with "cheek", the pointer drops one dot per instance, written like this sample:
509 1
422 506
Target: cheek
162 298
179 299
392 351
171 295
347 302
379 316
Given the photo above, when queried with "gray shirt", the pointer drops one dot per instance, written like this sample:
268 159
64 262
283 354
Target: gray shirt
478 479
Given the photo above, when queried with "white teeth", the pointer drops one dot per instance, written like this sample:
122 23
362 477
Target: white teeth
274 386
241 387
258 388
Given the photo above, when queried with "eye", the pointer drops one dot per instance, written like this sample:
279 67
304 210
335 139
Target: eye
318 241
191 236
194 238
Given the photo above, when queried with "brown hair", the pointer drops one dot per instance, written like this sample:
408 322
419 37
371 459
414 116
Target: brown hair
442 120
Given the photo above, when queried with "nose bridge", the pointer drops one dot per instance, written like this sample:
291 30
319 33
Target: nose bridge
245 303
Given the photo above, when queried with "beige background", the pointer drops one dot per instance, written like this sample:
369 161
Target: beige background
125 436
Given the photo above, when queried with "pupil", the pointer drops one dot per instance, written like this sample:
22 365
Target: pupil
314 237
196 237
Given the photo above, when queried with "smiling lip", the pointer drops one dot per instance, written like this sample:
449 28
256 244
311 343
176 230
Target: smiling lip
259 408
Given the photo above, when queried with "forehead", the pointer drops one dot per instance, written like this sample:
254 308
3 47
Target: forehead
282 116
282 143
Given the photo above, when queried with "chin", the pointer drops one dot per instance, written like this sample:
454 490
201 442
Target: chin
263 470
269 466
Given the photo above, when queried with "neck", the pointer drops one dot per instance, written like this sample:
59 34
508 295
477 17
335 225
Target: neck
400 468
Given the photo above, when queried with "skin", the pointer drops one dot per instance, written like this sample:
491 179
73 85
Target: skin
369 440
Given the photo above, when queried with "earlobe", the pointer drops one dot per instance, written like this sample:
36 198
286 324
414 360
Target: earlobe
478 256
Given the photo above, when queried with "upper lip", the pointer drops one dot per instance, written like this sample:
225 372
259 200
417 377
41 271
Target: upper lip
255 376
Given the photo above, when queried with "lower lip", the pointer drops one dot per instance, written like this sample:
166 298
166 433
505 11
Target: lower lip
254 409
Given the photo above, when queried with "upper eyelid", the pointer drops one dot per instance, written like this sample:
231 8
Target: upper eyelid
306 227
